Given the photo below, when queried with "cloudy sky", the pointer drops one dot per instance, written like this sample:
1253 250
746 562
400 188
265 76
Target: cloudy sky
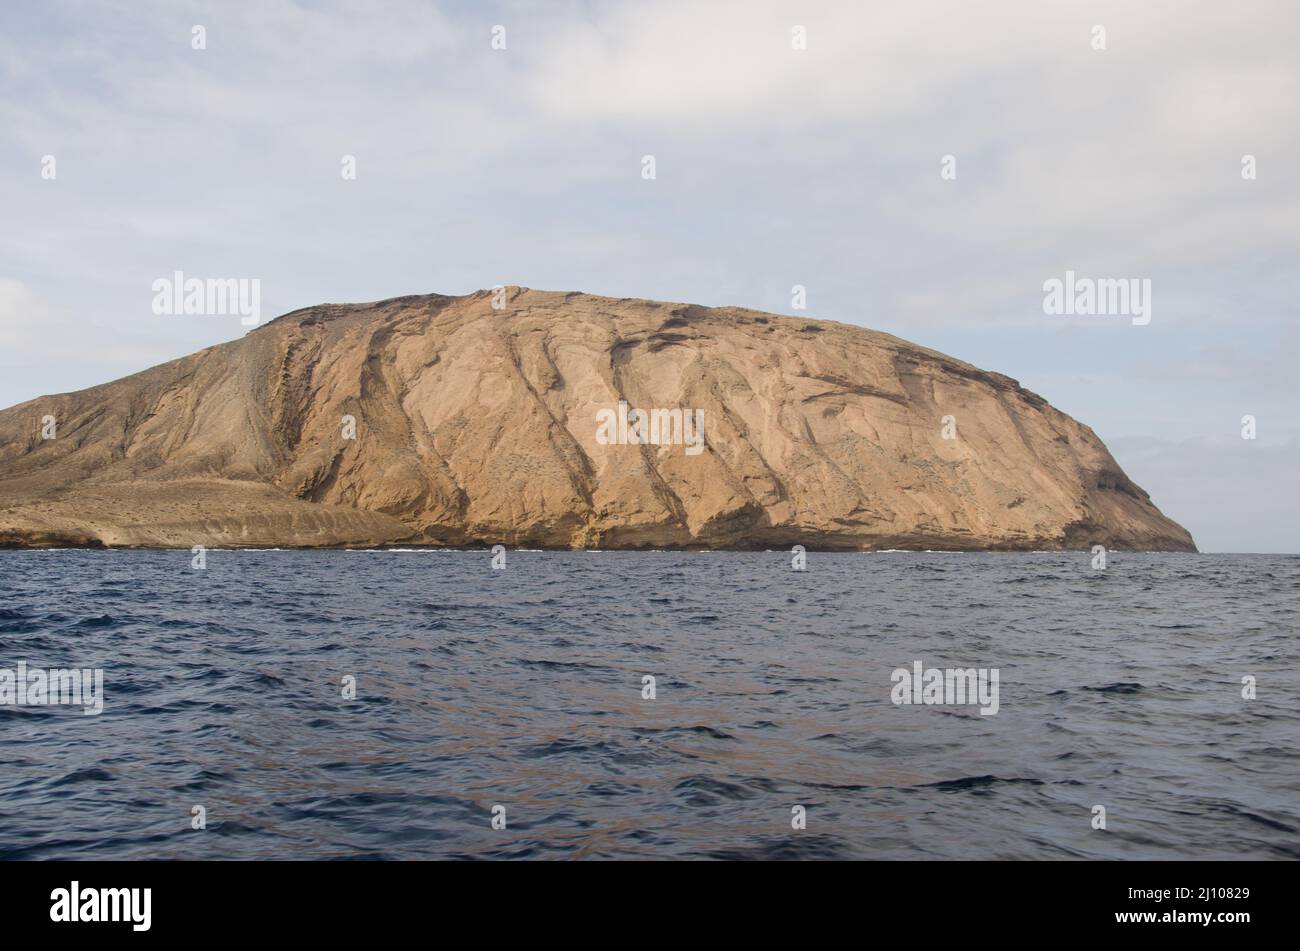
774 166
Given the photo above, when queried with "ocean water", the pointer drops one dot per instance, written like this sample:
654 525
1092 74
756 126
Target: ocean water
523 688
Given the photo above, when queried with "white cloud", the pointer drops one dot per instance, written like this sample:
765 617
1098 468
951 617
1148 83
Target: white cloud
1232 494
776 166
40 343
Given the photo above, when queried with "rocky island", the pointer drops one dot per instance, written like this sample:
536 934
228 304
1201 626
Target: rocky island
564 420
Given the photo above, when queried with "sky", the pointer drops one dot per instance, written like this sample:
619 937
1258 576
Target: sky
1117 154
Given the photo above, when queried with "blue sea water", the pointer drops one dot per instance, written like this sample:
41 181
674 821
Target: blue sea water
523 688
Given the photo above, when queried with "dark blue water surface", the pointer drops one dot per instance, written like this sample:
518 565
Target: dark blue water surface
522 687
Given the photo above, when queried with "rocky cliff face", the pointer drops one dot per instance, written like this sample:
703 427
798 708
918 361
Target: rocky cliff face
444 421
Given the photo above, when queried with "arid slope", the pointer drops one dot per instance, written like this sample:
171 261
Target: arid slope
478 426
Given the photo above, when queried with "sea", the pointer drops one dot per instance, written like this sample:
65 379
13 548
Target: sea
420 704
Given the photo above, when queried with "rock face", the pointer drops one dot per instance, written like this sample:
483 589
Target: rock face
476 426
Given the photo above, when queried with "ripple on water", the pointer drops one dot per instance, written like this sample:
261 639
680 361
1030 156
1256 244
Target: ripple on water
772 691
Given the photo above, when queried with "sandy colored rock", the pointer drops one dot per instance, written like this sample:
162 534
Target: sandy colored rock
477 426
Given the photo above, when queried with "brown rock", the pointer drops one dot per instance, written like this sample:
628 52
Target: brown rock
477 426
